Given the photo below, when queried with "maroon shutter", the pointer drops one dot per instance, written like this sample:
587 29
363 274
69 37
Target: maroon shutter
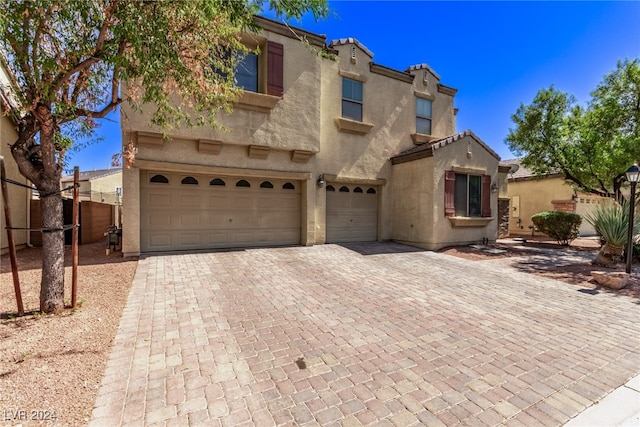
486 195
449 193
275 69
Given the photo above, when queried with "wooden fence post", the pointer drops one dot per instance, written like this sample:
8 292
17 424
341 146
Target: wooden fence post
12 244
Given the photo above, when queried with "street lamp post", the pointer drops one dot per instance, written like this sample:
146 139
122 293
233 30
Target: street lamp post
633 176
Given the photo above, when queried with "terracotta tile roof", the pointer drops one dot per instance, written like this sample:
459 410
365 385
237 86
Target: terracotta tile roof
523 172
427 150
419 67
351 40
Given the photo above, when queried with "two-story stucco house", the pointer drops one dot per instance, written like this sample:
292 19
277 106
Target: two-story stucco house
318 150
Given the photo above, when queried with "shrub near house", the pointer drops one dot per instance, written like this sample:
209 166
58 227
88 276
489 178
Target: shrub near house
561 226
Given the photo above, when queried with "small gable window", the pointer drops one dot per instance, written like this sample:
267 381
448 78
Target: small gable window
423 116
344 189
351 99
371 190
160 179
243 183
189 180
217 181
331 188
266 184
288 186
357 190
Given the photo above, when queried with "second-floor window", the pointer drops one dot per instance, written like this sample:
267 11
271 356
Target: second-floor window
351 99
423 116
247 72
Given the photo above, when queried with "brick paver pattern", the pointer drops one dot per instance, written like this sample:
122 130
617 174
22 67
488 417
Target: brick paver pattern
382 335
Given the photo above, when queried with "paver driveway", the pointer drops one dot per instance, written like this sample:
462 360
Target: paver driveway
377 334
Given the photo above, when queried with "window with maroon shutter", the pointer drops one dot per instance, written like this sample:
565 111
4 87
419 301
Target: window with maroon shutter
449 193
486 195
275 69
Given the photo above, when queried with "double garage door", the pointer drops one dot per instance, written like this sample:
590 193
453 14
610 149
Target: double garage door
186 212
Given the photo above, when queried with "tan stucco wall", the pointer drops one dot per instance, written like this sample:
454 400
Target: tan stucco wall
18 196
535 196
419 189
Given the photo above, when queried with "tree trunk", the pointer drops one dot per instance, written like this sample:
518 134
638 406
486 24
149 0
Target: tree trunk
52 284
609 256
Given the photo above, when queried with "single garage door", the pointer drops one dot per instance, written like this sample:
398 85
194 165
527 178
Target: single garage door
352 213
186 212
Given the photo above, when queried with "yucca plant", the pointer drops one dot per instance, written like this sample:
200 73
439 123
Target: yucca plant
611 222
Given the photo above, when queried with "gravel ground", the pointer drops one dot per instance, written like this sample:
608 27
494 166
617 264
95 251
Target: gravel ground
51 365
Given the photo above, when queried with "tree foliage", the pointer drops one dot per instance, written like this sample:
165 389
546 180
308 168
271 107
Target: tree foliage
69 59
591 146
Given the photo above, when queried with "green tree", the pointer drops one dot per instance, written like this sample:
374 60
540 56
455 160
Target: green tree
591 146
69 59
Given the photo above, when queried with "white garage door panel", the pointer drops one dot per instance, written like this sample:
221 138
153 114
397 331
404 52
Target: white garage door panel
351 216
175 216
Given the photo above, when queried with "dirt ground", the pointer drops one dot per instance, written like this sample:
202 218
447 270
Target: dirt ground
576 274
51 365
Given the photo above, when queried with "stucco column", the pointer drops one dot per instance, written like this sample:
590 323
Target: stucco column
308 208
130 212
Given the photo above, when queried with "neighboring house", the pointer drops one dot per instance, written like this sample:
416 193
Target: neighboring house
530 194
18 196
319 150
103 186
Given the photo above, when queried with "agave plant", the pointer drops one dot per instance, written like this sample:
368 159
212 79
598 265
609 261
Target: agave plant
611 222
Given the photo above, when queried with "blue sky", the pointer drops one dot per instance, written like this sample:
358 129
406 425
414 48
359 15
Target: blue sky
497 54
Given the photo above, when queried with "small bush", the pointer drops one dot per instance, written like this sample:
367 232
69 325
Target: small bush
561 226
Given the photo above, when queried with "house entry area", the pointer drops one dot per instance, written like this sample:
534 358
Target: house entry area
352 213
179 211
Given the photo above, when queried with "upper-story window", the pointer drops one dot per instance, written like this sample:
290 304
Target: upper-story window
351 99
261 72
246 72
423 116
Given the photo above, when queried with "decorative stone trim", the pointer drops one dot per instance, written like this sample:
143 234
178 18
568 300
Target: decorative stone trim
259 102
258 152
352 76
209 147
352 126
461 221
424 95
421 138
301 156
149 139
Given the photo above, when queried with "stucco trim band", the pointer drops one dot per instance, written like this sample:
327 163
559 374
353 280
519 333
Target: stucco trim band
459 221
149 139
424 95
421 138
390 72
351 126
349 180
209 147
220 170
447 90
290 32
469 171
259 102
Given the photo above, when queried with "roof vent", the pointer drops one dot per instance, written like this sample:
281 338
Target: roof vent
353 54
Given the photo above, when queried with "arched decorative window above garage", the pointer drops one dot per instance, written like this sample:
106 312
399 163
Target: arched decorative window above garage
217 181
159 179
371 190
266 184
243 183
331 188
357 190
288 186
189 180
344 189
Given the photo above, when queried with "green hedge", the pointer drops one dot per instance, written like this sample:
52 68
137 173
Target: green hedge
561 226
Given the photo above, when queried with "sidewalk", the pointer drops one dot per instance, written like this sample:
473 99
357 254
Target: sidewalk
620 408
